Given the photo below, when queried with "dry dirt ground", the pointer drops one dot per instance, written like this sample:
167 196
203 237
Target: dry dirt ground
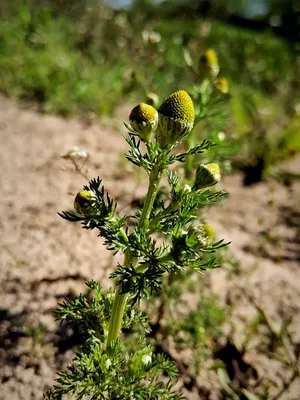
44 259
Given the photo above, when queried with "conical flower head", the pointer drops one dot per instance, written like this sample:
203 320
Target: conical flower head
144 119
207 175
176 118
84 202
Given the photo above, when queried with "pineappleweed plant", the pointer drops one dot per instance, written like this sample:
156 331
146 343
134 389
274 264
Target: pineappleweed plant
114 367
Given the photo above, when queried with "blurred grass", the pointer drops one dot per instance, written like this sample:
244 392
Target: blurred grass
40 61
89 59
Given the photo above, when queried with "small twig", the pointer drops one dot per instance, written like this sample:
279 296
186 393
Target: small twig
79 168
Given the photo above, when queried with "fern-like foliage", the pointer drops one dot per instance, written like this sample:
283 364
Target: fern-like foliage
94 372
161 237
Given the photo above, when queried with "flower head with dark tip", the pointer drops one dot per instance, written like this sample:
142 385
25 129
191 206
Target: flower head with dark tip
144 119
210 62
207 175
176 118
84 202
221 85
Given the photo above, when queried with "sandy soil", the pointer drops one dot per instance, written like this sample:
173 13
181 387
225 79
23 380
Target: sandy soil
44 259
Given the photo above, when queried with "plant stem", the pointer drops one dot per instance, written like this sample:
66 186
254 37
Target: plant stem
118 308
116 318
154 181
124 235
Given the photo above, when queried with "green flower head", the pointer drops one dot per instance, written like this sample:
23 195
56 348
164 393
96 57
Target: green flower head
207 175
144 119
84 202
199 236
176 118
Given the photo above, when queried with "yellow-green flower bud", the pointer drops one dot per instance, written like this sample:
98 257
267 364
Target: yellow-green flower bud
84 202
144 119
199 236
176 118
210 60
209 231
222 85
207 175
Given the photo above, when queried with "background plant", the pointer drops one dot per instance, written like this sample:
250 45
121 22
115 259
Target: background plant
67 57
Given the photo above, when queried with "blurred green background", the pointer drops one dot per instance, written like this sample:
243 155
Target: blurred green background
87 57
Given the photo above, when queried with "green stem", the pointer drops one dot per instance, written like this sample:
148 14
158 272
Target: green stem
124 235
118 309
116 318
154 181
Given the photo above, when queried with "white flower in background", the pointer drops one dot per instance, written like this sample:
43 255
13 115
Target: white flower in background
75 153
151 37
146 359
221 136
